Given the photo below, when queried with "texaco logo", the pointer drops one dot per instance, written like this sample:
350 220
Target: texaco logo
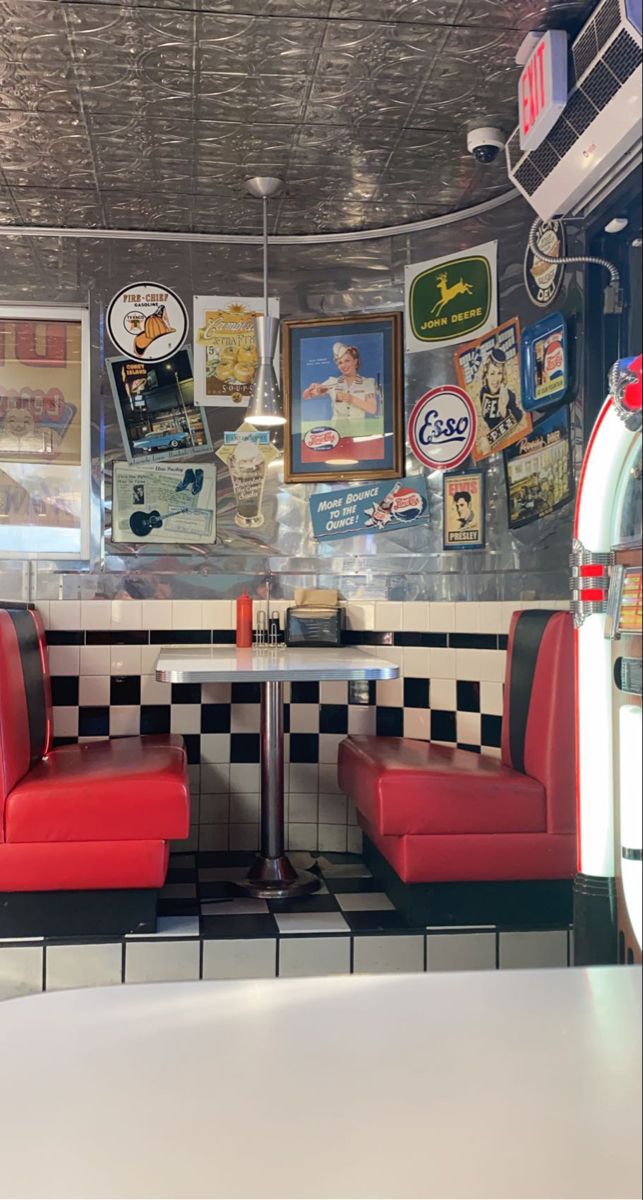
147 321
442 428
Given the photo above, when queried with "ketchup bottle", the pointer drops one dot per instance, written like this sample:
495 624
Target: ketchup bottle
244 620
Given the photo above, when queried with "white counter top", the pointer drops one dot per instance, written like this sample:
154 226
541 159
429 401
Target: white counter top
219 664
498 1084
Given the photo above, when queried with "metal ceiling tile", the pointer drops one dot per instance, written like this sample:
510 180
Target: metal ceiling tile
501 14
526 14
146 210
57 206
154 111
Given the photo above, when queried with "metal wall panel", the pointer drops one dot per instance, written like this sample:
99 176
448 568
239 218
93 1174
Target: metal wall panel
310 280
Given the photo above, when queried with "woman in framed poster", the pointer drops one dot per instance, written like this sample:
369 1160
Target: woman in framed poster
343 393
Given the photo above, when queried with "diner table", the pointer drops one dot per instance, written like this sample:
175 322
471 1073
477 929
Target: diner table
273 876
491 1084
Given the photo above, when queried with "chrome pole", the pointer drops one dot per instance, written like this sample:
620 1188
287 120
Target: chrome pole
272 770
273 877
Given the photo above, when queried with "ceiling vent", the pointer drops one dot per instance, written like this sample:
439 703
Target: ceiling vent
598 135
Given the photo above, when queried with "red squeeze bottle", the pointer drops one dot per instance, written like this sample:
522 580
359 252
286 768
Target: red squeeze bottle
244 620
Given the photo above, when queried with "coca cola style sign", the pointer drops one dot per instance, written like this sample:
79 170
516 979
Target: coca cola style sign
442 428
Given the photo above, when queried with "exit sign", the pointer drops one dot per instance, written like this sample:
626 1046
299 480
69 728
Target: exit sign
543 89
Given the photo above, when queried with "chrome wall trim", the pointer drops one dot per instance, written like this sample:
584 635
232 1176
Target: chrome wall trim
303 239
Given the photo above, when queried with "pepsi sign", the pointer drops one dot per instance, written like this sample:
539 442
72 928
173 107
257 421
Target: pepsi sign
442 428
323 439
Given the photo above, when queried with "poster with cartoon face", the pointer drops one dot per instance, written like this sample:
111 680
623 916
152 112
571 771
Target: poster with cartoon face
488 369
40 390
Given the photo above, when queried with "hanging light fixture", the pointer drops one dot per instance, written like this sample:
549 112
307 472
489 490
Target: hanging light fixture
265 407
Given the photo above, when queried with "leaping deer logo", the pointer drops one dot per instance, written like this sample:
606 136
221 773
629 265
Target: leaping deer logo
447 294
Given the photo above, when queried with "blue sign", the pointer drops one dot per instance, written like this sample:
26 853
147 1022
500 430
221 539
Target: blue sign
369 508
545 368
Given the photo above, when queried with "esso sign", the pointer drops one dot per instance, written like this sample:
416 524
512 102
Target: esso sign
442 428
543 89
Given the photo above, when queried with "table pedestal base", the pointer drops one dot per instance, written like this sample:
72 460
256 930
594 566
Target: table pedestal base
273 876
277 879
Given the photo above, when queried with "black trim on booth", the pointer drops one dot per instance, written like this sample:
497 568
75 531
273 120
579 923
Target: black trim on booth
530 629
108 912
518 904
34 680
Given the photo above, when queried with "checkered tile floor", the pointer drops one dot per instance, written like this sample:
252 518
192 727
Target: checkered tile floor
201 898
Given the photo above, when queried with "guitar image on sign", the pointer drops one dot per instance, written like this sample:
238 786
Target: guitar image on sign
142 523
447 294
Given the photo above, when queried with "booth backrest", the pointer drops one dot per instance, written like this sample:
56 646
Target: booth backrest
538 721
25 698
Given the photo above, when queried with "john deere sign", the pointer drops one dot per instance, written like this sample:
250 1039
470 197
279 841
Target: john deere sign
450 299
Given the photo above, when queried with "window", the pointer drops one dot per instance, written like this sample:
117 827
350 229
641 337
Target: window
44 432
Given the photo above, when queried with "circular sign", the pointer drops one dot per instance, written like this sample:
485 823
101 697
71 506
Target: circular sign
147 322
408 505
543 280
442 428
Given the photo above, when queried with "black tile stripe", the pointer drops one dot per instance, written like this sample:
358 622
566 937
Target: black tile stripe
530 629
34 682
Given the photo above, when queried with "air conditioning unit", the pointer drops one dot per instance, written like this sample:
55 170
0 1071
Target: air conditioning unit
597 140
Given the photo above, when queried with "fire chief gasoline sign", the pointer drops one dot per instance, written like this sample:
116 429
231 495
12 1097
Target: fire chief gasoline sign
447 300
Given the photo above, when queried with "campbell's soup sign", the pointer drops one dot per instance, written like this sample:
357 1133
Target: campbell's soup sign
442 428
543 89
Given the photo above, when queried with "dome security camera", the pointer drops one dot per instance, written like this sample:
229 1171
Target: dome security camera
485 143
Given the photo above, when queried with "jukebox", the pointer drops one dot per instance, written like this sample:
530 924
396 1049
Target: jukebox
607 604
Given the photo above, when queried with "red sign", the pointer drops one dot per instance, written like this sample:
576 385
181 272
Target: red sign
542 91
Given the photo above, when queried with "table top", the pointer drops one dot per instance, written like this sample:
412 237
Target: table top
504 1084
219 664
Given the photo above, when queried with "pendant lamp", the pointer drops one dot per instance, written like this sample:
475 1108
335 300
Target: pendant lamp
265 408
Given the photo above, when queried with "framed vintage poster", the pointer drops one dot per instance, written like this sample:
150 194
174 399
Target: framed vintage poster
155 408
225 348
489 371
464 511
44 432
539 471
164 502
545 363
343 383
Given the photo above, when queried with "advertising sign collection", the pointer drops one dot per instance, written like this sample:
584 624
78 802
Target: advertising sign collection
343 402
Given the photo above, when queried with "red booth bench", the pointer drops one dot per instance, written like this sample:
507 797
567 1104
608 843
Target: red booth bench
84 828
478 838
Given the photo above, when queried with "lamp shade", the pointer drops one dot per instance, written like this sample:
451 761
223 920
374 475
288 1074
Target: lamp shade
265 407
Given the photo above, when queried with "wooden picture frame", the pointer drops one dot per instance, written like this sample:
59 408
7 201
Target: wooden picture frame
343 398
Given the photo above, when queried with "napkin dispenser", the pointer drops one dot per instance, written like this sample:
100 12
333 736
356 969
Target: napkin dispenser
308 626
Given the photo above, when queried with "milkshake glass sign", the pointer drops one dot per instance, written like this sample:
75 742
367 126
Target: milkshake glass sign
442 428
543 89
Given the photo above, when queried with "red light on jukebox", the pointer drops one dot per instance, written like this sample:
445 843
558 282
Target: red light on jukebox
633 388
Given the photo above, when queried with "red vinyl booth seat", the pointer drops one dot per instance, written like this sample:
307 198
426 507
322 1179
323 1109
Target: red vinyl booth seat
92 816
439 814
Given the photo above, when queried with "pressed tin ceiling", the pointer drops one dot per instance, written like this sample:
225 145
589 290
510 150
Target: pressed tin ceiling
149 114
